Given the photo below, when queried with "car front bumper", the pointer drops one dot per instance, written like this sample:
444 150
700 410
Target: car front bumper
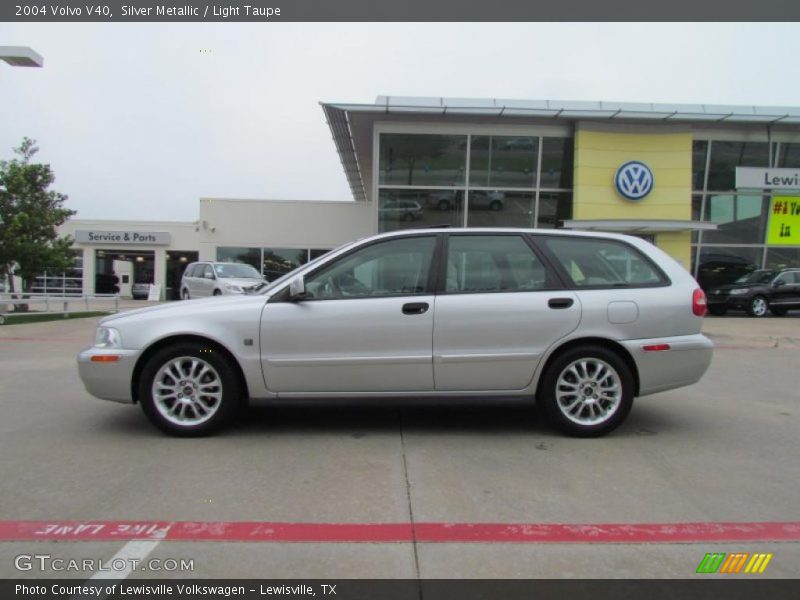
738 301
683 363
108 380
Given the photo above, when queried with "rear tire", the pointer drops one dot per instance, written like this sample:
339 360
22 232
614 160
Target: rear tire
587 391
757 307
189 390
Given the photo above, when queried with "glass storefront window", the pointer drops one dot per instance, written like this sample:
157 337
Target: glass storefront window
554 207
740 219
248 256
783 258
279 261
557 163
699 152
316 253
503 161
500 209
722 265
412 159
726 156
403 209
697 206
790 156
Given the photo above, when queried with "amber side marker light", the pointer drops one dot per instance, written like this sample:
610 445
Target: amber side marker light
655 347
105 358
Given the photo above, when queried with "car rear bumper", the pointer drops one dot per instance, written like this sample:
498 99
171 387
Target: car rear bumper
684 362
729 302
107 380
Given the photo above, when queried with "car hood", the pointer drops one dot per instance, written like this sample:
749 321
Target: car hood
734 286
244 282
181 307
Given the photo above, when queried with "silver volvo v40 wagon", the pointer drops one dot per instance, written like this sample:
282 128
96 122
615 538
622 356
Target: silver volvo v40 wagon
582 322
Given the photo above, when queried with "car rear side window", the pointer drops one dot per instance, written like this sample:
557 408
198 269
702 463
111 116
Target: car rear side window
489 263
601 263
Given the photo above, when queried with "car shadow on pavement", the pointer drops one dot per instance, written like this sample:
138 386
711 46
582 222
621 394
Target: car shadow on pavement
355 418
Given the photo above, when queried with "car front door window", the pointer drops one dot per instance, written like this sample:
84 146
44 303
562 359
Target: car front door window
391 268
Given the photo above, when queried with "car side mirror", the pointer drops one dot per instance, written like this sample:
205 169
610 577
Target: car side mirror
297 288
778 283
208 275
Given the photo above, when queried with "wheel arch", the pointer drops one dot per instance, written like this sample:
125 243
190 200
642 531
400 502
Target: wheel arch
606 343
183 338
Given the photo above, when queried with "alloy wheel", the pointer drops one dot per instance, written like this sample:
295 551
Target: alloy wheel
588 391
187 391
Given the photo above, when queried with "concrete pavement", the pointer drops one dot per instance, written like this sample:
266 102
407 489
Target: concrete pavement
722 450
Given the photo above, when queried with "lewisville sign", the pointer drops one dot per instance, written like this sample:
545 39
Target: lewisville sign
762 178
135 238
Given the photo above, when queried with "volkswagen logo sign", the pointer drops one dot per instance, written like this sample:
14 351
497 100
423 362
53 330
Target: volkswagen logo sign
634 180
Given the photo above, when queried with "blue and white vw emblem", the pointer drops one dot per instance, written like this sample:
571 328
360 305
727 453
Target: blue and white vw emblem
634 180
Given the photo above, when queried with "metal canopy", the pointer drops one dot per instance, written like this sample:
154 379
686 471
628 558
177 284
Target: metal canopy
20 56
569 109
343 138
638 225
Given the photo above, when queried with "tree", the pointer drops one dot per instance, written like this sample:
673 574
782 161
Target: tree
29 216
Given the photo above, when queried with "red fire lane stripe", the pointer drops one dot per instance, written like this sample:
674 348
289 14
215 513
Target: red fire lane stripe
537 533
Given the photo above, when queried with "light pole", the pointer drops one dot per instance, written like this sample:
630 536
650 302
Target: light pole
21 56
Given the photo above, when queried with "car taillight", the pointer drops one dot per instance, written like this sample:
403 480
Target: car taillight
699 303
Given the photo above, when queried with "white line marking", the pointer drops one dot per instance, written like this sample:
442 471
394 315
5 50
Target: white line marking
136 550
132 551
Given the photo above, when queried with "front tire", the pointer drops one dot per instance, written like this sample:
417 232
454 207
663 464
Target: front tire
185 294
217 293
758 307
189 390
587 391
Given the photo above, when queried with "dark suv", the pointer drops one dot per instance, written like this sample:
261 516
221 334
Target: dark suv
758 292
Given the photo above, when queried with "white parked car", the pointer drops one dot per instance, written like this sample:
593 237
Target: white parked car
583 322
202 279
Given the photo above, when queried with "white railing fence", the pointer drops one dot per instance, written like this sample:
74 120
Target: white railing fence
61 302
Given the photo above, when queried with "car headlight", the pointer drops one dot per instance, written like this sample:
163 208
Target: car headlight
233 288
107 337
740 291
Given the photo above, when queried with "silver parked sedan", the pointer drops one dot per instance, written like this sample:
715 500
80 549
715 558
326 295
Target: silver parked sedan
583 322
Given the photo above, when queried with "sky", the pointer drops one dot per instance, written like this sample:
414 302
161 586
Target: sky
139 121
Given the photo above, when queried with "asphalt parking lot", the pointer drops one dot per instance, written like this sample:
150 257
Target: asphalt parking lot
724 450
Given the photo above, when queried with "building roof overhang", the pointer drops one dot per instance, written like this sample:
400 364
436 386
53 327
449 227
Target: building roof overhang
638 225
339 116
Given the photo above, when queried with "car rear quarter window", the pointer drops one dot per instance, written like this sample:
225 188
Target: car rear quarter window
602 263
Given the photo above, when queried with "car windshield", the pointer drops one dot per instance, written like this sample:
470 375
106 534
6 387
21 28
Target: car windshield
759 276
236 270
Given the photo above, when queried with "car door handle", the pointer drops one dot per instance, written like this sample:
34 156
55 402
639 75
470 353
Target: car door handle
415 308
560 302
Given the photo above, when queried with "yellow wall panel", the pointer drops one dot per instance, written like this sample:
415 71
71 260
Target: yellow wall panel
598 155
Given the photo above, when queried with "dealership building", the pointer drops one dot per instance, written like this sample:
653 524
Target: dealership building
717 187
